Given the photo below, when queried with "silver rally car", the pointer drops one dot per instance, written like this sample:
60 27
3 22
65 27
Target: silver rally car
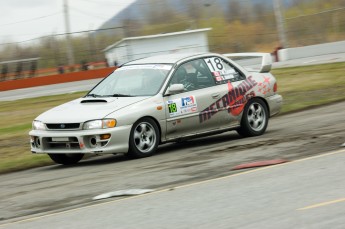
159 99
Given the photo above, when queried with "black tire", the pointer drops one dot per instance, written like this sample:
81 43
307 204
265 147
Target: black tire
66 159
254 118
144 138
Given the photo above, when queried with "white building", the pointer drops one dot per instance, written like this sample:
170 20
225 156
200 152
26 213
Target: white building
132 48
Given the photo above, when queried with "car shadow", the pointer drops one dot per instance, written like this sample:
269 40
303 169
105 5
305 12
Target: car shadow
197 142
162 149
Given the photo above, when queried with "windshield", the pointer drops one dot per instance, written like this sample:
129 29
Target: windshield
133 80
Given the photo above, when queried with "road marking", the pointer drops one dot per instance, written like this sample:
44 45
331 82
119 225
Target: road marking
260 169
169 189
310 61
322 204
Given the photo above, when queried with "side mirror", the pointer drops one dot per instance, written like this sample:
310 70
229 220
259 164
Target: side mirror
175 89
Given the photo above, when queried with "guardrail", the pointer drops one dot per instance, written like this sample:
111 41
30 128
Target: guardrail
312 50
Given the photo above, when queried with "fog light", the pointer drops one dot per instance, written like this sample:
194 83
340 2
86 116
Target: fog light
37 142
93 141
105 136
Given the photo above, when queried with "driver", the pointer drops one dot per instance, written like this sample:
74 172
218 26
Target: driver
181 77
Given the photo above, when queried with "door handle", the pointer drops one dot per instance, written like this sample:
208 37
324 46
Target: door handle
215 96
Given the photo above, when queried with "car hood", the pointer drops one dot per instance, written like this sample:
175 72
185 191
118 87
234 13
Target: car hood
85 109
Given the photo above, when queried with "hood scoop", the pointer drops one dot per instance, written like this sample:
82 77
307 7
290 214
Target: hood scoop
94 101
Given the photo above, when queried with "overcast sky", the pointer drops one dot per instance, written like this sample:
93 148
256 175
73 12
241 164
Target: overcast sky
22 20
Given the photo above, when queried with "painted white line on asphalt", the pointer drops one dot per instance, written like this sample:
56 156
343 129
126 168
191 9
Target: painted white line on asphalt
310 61
263 168
322 204
178 187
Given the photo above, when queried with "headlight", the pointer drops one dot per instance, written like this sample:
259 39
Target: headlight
37 125
99 124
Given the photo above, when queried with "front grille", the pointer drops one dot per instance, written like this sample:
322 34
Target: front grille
61 143
63 126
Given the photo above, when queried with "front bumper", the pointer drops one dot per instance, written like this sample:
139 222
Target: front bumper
80 141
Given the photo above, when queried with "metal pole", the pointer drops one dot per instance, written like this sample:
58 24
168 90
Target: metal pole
70 53
280 23
208 5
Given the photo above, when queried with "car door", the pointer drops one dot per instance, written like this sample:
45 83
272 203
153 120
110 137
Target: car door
186 110
235 87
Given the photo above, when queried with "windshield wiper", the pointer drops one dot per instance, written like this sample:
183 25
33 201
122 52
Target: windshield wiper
121 95
93 95
114 95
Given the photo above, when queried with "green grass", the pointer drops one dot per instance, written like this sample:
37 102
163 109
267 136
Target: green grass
309 86
15 123
301 88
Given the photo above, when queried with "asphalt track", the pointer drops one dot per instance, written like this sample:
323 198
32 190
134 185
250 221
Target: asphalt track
307 193
61 197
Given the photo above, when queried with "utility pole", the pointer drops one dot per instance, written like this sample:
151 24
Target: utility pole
280 23
207 6
70 53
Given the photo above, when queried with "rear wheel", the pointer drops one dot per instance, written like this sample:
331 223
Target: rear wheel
144 138
254 119
66 159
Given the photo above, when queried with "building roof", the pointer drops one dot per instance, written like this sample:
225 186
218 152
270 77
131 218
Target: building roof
155 36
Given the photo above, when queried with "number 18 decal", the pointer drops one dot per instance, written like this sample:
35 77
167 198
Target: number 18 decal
172 108
214 64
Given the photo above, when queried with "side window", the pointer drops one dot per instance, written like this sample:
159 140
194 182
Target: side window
222 71
193 75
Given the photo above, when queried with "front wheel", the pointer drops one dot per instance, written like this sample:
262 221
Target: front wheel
144 138
66 159
254 119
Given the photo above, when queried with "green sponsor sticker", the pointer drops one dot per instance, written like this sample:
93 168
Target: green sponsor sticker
172 108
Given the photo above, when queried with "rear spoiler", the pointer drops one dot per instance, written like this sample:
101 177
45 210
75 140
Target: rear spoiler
266 63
